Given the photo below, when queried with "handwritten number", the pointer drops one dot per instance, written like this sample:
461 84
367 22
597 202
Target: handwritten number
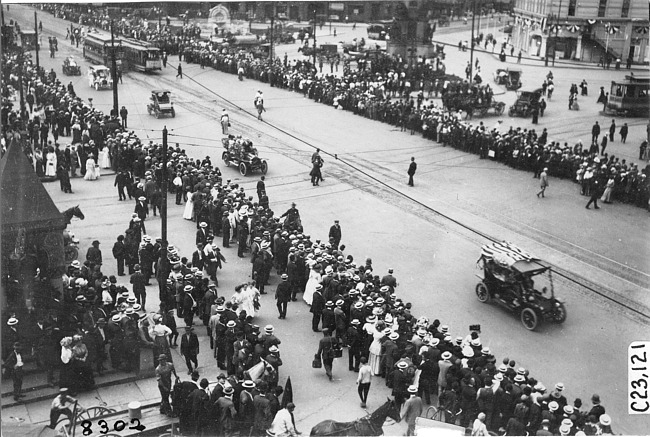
637 357
637 395
139 426
639 383
86 425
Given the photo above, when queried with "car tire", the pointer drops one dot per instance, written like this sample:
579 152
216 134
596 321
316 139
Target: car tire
482 293
264 167
243 168
96 87
559 314
173 114
529 318
226 159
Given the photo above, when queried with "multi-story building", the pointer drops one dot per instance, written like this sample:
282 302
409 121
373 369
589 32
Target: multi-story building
582 29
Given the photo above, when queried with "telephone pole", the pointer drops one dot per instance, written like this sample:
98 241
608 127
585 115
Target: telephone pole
164 264
116 107
272 33
471 46
315 41
36 42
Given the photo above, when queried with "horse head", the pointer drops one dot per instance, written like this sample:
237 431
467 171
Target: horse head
77 212
394 411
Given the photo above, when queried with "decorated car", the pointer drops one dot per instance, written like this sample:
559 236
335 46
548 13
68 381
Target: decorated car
99 77
519 282
70 67
160 104
241 152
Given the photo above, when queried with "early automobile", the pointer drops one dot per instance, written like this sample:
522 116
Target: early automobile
240 151
99 77
70 67
160 104
526 101
509 77
519 282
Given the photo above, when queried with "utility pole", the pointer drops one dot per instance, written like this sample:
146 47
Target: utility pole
557 29
471 45
116 107
163 206
315 41
20 82
272 32
36 42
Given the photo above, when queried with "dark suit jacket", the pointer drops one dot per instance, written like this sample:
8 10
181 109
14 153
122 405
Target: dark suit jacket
189 344
318 303
201 236
141 209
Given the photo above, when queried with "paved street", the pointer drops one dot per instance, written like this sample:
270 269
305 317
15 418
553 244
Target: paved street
434 259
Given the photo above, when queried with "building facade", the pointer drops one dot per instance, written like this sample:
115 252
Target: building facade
588 30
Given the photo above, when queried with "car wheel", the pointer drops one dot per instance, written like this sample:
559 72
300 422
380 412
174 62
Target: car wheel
243 168
500 107
225 157
559 314
264 167
482 292
511 112
173 113
529 319
96 87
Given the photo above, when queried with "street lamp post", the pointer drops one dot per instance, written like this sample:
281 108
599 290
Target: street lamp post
315 39
471 46
36 42
557 30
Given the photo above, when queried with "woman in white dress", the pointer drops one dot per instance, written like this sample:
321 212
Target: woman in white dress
315 278
188 214
374 359
91 173
249 294
104 158
51 163
238 299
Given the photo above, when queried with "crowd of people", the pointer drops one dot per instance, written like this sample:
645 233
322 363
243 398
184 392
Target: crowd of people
99 322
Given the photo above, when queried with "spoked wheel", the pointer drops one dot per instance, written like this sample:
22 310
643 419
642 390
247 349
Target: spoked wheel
226 159
482 292
559 315
440 415
431 412
499 108
529 319
483 111
243 168
264 167
94 412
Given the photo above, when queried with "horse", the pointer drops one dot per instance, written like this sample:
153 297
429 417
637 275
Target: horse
72 212
368 425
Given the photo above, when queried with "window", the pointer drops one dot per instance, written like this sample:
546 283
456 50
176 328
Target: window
625 10
572 8
602 7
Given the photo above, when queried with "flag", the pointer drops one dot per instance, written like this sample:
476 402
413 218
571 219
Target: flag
573 28
287 395
642 30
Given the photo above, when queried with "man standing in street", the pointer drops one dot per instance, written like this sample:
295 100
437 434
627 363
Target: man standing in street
164 376
139 282
543 181
335 235
595 192
261 188
412 409
326 351
411 171
123 114
179 72
190 349
14 366
623 132
282 295
94 255
363 381
595 131
612 131
119 253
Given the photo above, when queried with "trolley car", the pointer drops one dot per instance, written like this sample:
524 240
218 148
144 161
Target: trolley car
98 49
141 55
630 96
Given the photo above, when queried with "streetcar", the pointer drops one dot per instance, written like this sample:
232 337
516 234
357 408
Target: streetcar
141 55
629 96
98 49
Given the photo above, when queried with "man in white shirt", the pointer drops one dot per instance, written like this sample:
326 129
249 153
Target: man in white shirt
63 404
282 425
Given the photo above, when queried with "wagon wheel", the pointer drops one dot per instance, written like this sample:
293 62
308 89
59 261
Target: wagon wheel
511 111
529 319
431 412
559 314
94 412
498 109
226 159
264 167
483 110
243 168
482 293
